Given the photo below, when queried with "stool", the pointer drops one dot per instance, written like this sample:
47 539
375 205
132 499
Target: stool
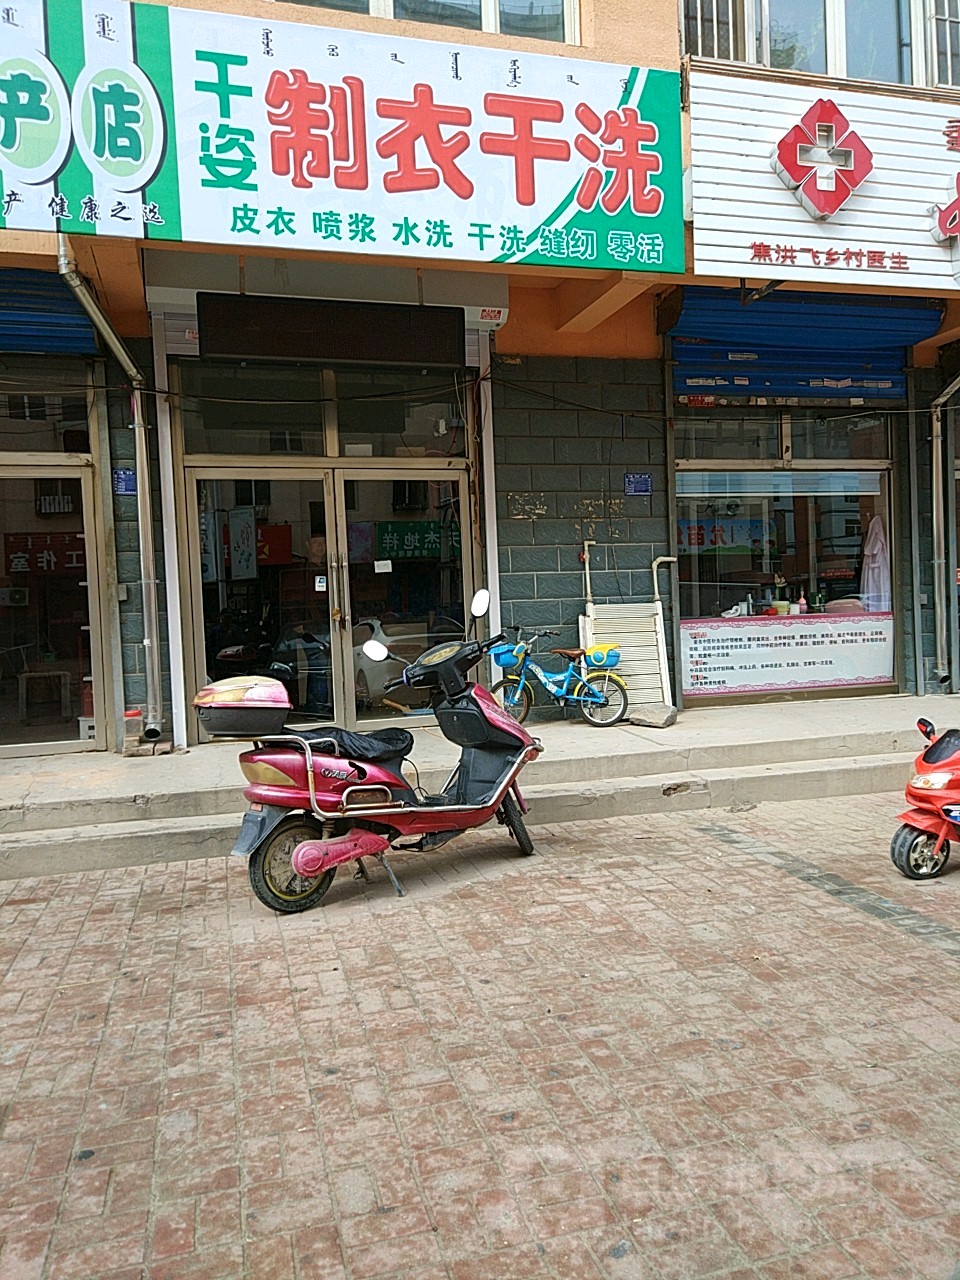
23 681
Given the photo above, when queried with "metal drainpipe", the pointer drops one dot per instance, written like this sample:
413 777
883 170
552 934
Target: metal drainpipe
939 531
148 575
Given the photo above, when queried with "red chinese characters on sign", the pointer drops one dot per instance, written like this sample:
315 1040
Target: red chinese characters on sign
319 133
857 257
318 130
630 165
822 160
524 145
45 553
421 121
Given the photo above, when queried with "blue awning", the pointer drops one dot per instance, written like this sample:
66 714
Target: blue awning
806 346
40 316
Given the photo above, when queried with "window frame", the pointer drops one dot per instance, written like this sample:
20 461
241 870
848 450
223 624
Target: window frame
746 13
490 19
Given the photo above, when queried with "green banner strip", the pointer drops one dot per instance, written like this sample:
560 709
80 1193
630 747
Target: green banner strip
151 28
65 49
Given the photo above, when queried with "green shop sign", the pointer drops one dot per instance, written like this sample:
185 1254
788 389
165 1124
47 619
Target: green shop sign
164 123
417 540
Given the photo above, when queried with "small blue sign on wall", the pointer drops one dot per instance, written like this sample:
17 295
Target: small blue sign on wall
637 484
125 481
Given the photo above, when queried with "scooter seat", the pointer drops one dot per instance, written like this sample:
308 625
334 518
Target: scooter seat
378 747
572 654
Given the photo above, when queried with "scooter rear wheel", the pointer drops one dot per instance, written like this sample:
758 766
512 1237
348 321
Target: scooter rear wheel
912 853
511 817
271 872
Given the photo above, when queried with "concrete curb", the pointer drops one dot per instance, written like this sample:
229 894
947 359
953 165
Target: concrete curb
80 847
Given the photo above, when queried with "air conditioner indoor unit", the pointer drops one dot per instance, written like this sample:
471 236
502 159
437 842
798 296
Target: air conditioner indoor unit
14 596
486 317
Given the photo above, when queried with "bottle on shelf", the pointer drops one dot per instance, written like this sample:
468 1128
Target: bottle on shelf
802 602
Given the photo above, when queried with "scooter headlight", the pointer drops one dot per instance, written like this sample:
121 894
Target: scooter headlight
931 781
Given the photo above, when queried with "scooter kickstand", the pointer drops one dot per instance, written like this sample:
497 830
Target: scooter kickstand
382 859
361 872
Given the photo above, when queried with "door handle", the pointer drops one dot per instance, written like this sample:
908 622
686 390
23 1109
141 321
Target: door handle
336 615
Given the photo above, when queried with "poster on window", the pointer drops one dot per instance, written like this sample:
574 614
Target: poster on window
242 532
722 656
142 120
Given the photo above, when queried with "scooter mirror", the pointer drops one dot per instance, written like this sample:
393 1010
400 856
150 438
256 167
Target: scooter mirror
480 603
376 651
927 728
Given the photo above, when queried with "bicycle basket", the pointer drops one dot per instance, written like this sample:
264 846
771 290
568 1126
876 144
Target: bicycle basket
507 655
602 655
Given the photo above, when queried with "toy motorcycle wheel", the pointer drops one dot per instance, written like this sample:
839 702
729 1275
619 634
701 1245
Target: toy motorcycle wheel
915 855
271 872
511 817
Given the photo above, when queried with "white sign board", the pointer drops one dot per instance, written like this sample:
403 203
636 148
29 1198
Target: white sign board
831 185
722 656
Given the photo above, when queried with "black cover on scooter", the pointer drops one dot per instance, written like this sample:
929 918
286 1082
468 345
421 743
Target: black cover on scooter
378 747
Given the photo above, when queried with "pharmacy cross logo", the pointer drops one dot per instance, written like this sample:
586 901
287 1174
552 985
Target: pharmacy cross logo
821 160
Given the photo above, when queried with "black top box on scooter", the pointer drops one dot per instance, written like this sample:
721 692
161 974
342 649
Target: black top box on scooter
247 707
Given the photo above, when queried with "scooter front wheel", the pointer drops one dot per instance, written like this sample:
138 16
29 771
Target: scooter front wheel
511 817
912 853
271 872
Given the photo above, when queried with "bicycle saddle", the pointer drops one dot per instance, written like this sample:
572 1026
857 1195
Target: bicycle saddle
572 654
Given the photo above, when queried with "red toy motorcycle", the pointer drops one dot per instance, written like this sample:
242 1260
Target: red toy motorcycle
921 847
321 797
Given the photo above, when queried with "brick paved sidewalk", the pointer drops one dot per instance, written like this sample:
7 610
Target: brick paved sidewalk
719 1044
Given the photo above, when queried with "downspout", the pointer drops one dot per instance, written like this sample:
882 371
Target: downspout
148 574
939 529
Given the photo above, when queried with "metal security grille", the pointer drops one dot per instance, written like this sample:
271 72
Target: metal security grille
947 37
713 29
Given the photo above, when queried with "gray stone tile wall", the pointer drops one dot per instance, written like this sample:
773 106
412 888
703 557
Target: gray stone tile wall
566 431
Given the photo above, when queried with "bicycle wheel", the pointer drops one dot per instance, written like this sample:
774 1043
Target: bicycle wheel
612 690
514 697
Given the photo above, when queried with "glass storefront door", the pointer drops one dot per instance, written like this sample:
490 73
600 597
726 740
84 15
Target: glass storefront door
49 647
295 571
405 579
266 585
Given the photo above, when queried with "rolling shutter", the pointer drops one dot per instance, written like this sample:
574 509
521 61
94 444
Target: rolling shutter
40 316
796 346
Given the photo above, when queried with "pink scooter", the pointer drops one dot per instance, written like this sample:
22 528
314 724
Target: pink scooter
321 797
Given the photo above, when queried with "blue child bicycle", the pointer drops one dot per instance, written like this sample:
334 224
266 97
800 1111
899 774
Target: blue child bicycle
588 683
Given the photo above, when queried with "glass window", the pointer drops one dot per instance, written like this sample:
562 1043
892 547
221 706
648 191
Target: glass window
713 28
348 6
828 433
878 40
947 25
401 413
540 19
43 408
798 35
450 13
252 409
765 536
750 434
